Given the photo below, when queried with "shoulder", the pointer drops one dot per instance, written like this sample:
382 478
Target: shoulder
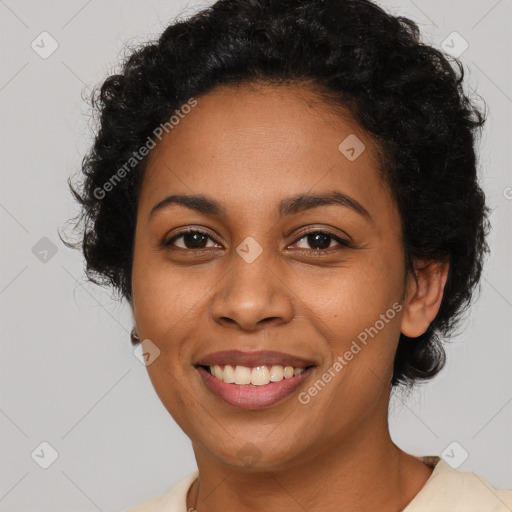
449 490
174 500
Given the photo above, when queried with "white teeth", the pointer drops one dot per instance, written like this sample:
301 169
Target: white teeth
257 376
260 376
242 375
229 374
217 371
288 372
276 373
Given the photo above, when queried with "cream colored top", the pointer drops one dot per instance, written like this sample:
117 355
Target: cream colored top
447 490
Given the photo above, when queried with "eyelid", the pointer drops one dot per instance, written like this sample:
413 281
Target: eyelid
344 241
190 229
341 238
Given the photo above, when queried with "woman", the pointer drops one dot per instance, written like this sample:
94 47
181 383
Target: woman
286 194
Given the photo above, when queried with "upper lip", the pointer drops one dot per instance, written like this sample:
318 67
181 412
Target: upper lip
260 357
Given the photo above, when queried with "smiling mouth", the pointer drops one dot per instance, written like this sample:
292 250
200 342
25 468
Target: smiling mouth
253 375
251 387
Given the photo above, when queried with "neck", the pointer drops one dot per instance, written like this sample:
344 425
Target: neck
363 472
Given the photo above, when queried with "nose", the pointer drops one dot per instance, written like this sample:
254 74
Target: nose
252 294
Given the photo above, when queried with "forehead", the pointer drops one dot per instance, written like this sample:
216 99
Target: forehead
261 142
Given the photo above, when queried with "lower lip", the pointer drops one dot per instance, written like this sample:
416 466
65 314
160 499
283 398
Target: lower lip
250 396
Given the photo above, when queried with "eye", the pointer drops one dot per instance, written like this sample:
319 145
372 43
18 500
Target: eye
321 241
191 239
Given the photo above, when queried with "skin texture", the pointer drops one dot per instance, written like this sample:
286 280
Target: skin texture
248 149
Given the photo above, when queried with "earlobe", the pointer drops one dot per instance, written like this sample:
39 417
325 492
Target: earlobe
424 297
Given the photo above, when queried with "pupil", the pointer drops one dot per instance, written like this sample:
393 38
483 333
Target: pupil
319 239
195 239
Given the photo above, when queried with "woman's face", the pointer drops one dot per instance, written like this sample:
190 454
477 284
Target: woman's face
266 273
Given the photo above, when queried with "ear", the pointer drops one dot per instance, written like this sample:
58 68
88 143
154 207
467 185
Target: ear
134 334
423 296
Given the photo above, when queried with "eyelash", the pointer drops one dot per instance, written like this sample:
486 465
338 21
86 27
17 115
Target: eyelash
317 252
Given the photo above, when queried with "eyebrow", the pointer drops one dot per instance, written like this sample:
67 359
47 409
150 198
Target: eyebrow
296 204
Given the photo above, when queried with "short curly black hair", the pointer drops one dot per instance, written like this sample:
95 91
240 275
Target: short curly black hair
357 57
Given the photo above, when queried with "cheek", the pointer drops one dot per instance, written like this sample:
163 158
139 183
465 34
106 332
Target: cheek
164 296
164 305
347 301
357 314
357 311
170 385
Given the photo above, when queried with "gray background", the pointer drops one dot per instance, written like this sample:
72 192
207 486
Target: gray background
68 374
